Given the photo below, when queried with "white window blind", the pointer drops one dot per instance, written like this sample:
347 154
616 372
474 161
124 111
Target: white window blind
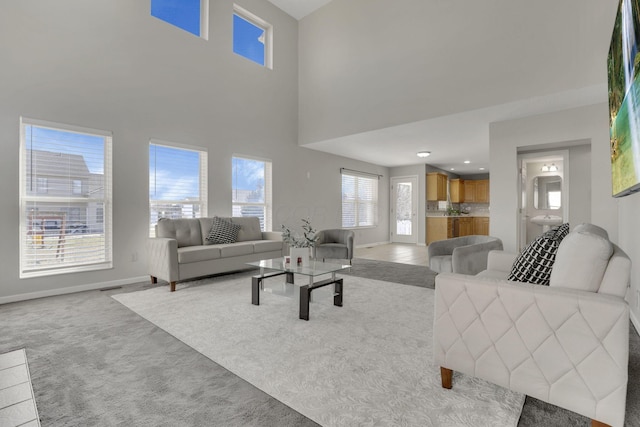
177 182
251 189
359 200
65 198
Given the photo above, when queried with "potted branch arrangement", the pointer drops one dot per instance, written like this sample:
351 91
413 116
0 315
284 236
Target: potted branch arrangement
300 245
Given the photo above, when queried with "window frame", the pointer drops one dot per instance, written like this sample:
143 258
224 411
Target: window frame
268 34
268 189
106 200
203 174
357 201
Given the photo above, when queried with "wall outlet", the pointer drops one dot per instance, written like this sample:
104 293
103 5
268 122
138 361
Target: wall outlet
134 256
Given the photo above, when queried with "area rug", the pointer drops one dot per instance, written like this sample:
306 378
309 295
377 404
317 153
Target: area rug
366 363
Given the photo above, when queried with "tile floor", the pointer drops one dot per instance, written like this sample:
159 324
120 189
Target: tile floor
17 404
395 252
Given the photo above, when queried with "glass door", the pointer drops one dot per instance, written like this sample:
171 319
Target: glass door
404 209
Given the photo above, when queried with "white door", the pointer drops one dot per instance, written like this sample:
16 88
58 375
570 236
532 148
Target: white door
404 209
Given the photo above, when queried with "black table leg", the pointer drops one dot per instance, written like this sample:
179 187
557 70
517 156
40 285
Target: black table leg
305 294
255 290
337 298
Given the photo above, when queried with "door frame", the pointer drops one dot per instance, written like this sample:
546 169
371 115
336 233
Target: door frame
393 235
531 157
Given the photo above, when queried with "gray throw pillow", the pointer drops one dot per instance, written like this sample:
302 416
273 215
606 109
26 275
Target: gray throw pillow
222 231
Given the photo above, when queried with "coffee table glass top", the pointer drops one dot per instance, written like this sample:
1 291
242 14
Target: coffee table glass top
314 268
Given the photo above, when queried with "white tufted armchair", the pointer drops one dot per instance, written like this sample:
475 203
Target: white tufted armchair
566 344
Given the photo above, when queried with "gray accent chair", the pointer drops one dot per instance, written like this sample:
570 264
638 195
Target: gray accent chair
462 255
334 244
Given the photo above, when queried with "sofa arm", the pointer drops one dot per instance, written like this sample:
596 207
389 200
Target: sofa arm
444 247
162 258
566 347
501 261
472 259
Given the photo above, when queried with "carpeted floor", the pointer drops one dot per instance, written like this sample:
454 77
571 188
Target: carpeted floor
94 362
367 363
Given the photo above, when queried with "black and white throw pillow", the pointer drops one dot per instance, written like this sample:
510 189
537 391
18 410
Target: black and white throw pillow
535 262
222 231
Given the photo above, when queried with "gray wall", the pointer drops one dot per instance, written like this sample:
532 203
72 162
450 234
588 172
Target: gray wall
618 216
551 131
107 64
409 60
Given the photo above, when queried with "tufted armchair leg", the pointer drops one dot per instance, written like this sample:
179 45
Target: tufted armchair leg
173 286
595 423
154 279
447 375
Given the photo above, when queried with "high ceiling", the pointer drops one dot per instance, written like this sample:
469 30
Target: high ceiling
463 133
299 8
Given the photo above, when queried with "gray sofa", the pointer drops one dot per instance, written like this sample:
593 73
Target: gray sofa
463 255
180 250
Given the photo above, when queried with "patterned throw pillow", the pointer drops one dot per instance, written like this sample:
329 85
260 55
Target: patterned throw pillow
535 262
222 231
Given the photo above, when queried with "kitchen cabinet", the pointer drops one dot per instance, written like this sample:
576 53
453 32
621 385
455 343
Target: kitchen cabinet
436 186
465 226
439 228
456 190
469 191
476 191
481 225
482 191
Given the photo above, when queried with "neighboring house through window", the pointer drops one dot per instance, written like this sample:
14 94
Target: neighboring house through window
359 200
252 37
59 227
251 189
177 182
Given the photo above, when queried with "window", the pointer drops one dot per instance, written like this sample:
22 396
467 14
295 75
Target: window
77 187
190 15
251 189
252 37
177 182
359 200
59 227
42 185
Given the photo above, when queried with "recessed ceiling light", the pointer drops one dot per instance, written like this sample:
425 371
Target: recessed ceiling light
481 169
452 169
424 153
466 162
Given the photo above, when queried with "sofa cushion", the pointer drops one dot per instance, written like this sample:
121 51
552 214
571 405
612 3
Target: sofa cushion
250 228
235 249
222 231
535 262
197 253
266 246
185 230
582 259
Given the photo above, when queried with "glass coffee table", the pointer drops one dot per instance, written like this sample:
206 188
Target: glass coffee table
276 267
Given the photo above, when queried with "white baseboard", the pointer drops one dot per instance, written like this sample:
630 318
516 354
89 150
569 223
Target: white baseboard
634 321
72 289
368 245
